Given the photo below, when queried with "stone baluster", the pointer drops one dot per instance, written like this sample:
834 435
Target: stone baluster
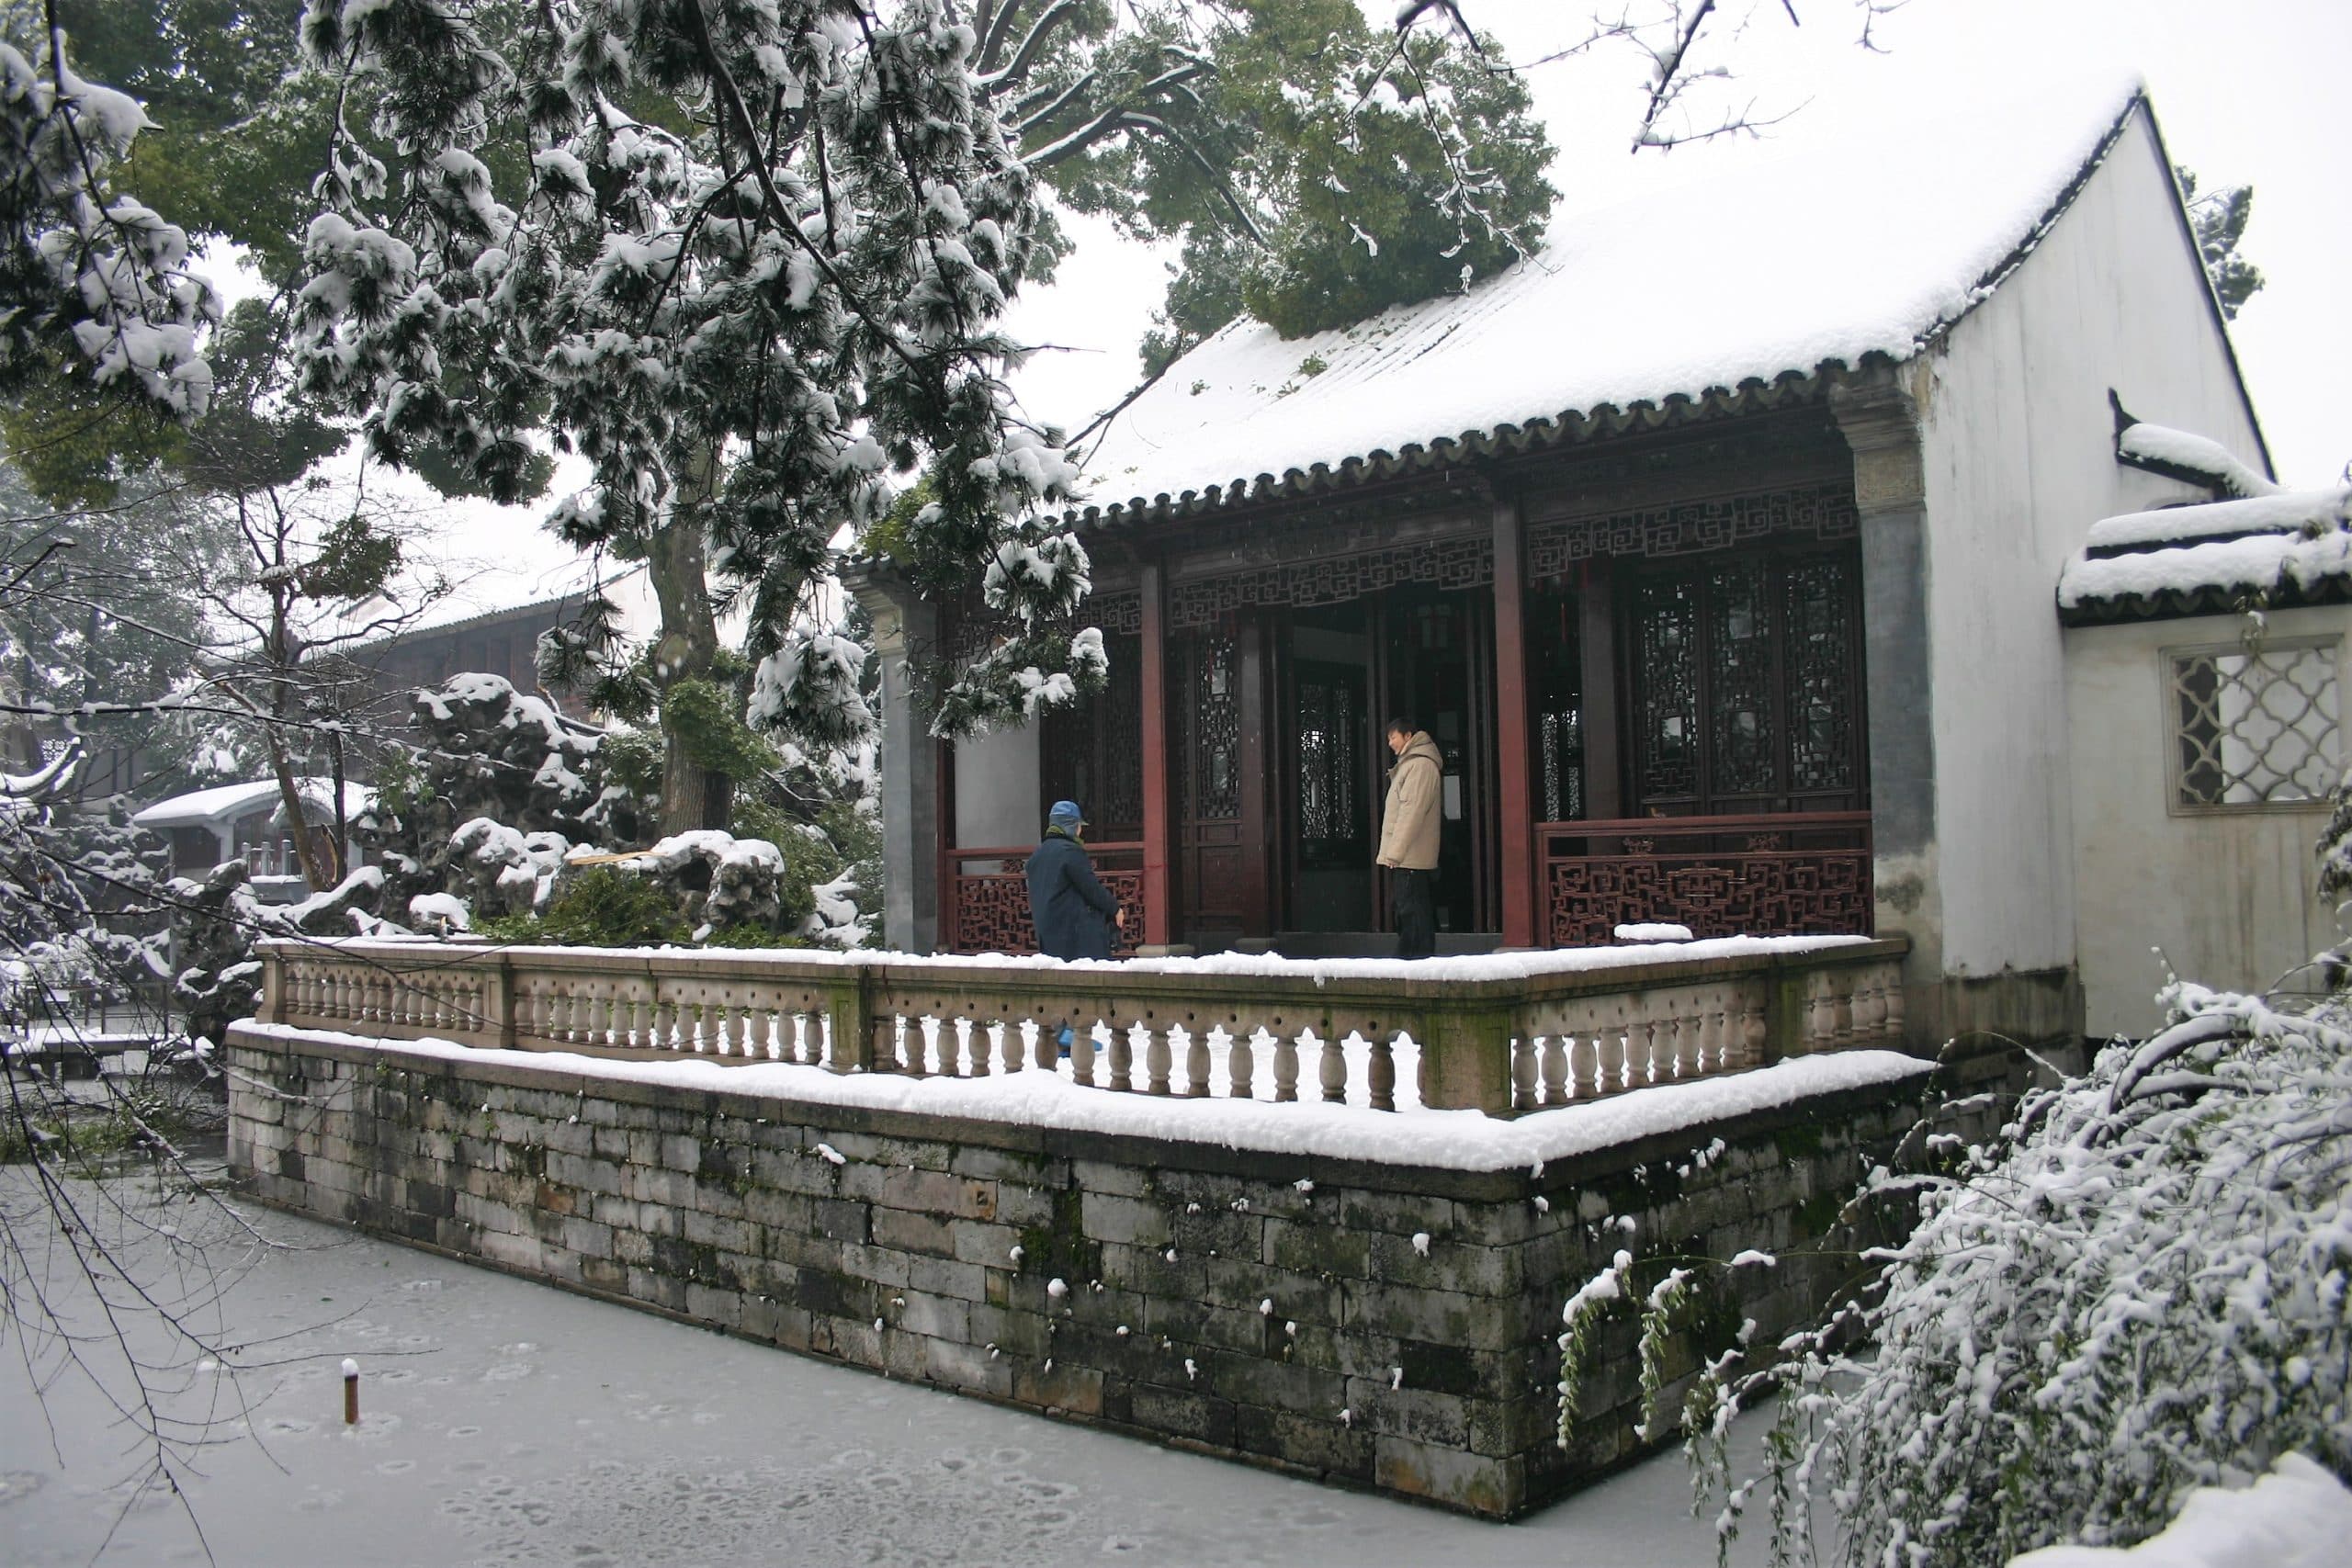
1584 1063
1640 1051
1004 1040
1690 1042
1869 1006
1892 1030
1384 1075
1554 1068
1044 1045
1157 1062
1616 1053
1197 1064
1123 1057
1523 1072
1081 1052
1331 1070
1821 1017
759 1043
1842 1006
1754 1032
1241 1065
1286 1067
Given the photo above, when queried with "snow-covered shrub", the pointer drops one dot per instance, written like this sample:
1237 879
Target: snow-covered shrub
716 880
487 751
77 898
217 979
216 921
597 906
2139 1289
499 871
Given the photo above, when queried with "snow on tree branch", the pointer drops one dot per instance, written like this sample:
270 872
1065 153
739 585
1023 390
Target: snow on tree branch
748 260
88 275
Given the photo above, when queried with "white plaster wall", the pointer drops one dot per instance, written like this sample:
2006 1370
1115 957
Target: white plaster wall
2017 441
998 793
2232 899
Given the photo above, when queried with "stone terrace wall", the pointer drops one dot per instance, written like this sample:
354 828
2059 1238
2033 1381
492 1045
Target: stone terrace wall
1380 1326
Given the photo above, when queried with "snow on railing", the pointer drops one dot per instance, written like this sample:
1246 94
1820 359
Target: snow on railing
1508 1034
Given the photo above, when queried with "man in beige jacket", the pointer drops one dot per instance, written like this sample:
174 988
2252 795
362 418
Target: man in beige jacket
1408 831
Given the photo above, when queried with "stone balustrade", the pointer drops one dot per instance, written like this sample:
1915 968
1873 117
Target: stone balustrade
1523 1037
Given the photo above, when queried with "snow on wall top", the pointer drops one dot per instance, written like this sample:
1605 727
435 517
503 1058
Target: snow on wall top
2177 452
226 803
1448 1140
2288 546
1860 249
2280 511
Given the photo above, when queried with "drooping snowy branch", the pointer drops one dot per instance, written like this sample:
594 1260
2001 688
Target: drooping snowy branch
88 275
747 260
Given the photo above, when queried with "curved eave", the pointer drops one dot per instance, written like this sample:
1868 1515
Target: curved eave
2211 599
1570 427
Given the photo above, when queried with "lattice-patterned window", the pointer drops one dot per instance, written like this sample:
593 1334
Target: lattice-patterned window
2255 729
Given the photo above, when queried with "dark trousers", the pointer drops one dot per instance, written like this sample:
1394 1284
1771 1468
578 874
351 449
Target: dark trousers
1412 899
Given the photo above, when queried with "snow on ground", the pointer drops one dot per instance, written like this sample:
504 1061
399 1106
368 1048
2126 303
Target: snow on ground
2299 1516
506 1423
1459 1140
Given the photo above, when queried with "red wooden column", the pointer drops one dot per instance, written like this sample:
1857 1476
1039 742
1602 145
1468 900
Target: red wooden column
1159 886
1514 773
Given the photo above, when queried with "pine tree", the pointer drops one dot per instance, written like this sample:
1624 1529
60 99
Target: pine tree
2219 220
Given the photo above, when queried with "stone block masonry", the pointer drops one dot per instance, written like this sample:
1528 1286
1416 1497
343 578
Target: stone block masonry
1381 1325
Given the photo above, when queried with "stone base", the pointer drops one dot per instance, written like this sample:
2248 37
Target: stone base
1377 1325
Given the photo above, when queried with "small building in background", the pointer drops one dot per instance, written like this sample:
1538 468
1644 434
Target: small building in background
247 821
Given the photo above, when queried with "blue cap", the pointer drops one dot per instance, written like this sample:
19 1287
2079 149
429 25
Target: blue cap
1065 816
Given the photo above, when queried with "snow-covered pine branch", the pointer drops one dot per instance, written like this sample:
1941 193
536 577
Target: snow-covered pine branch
89 274
2137 1290
751 310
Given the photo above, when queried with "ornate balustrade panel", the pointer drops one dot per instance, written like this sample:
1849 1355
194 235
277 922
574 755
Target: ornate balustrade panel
1512 1043
986 897
1785 875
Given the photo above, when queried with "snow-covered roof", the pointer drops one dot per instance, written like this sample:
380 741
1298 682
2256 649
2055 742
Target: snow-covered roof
226 803
2289 548
1869 248
2183 455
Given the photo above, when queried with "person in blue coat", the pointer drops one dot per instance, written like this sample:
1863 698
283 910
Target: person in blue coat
1074 914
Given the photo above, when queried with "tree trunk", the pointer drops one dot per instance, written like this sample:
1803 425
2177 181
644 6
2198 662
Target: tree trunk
693 797
317 870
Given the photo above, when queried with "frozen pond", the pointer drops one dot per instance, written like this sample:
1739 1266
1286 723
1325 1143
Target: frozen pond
505 1422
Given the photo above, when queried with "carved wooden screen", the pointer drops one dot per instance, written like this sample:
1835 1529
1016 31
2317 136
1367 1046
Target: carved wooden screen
1092 753
1555 689
1332 728
1747 685
1205 677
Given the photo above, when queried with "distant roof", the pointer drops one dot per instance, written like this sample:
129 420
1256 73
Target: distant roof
1873 248
226 803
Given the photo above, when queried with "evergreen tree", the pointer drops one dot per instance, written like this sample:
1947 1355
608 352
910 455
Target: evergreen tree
2219 220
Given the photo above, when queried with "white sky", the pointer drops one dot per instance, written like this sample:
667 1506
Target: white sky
2246 92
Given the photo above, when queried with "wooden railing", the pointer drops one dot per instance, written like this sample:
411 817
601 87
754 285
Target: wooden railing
1805 874
1527 1037
985 907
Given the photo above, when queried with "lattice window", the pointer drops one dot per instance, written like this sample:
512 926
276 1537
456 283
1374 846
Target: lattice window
1821 678
2255 727
1746 682
1217 731
1665 653
1330 765
1092 750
